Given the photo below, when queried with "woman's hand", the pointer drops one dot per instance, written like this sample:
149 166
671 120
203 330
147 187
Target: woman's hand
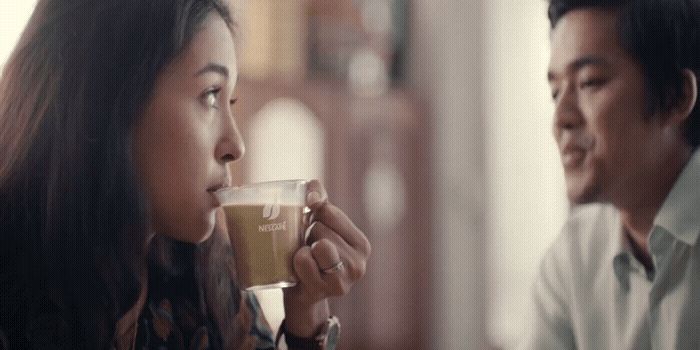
334 259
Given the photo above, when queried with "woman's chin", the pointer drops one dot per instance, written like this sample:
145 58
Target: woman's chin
209 225
194 231
202 233
205 236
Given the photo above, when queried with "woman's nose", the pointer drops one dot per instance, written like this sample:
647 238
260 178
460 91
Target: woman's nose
230 147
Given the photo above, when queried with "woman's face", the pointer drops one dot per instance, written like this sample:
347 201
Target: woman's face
187 135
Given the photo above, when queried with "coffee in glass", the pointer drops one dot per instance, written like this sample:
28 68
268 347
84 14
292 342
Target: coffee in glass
265 223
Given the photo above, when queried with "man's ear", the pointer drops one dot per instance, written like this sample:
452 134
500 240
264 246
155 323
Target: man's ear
689 98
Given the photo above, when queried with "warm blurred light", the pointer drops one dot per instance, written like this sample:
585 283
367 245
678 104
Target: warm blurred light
13 17
528 203
367 74
273 37
285 142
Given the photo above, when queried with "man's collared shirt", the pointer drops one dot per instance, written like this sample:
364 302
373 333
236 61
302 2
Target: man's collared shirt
592 293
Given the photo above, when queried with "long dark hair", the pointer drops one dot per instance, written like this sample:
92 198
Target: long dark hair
73 238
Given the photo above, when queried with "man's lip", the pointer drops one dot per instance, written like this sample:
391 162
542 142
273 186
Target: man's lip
571 148
571 156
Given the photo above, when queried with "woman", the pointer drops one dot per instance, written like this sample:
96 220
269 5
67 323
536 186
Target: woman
115 125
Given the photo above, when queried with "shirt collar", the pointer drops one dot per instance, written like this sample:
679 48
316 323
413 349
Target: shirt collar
680 213
620 251
678 216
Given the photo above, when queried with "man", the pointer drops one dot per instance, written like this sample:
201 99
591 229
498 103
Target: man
625 272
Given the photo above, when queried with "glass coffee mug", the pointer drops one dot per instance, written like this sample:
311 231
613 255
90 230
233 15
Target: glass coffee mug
266 226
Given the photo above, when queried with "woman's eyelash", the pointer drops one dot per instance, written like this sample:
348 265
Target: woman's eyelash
214 91
210 97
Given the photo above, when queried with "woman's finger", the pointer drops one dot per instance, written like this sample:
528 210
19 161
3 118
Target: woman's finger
331 268
316 195
319 231
325 254
355 263
338 221
307 270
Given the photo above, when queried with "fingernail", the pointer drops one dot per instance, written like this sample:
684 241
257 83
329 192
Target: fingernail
313 197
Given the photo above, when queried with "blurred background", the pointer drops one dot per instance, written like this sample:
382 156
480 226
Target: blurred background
429 123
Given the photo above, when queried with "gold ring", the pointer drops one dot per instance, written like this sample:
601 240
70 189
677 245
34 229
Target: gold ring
335 268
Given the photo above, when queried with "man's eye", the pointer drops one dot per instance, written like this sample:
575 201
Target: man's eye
592 83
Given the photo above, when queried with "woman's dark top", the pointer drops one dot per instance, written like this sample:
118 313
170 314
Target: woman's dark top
173 317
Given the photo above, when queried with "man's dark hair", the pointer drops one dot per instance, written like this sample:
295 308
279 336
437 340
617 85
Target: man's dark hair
663 36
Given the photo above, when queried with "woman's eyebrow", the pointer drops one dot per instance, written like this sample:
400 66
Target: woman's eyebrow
215 68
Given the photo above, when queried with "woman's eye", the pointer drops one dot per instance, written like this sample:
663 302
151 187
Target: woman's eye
211 100
211 97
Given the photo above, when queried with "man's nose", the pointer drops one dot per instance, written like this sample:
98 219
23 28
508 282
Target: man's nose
567 113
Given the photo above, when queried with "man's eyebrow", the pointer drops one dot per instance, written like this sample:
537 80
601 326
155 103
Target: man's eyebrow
580 63
588 61
215 68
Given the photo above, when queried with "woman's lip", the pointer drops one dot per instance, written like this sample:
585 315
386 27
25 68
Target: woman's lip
214 190
215 200
217 188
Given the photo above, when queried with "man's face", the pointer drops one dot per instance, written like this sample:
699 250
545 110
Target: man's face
602 125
